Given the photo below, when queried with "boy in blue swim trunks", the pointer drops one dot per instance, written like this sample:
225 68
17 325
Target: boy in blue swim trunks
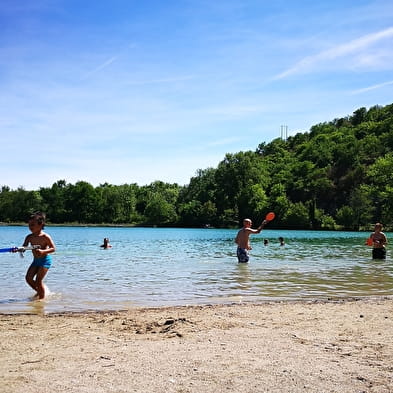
42 260
243 239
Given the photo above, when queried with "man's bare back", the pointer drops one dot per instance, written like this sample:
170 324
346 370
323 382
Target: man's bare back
243 238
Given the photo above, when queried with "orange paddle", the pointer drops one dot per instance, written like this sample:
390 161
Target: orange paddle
270 216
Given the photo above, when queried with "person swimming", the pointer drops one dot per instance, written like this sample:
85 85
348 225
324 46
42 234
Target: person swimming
106 243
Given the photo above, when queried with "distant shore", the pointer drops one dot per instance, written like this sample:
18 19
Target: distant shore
76 224
335 346
69 224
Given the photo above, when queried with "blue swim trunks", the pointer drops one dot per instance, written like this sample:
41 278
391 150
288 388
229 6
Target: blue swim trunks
242 255
45 261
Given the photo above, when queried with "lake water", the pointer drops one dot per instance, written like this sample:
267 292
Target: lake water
158 267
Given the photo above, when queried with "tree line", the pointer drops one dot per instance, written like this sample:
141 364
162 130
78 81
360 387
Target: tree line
338 175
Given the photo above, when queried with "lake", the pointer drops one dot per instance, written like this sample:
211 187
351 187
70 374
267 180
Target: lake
161 267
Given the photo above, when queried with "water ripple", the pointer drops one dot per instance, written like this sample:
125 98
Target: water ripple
154 267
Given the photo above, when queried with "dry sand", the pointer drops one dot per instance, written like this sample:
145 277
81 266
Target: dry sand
333 346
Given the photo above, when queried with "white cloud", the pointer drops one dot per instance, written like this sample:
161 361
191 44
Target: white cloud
161 80
374 87
311 63
100 67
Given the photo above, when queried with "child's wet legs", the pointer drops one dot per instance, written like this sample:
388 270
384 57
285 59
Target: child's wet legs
40 287
31 272
37 283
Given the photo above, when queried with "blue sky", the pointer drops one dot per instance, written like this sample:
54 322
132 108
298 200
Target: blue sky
136 91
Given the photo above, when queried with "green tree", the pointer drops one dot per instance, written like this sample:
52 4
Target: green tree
6 201
190 213
346 217
202 187
54 199
297 216
117 203
238 172
362 207
209 213
23 203
380 175
159 211
82 202
158 202
253 202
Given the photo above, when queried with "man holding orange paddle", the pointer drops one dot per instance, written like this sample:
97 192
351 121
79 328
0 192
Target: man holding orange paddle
243 237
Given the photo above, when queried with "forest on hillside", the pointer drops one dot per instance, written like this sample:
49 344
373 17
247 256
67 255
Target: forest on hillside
338 175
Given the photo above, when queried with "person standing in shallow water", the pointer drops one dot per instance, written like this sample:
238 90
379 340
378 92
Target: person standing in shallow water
379 241
243 239
42 260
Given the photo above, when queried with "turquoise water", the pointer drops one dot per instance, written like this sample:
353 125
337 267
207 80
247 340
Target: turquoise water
158 267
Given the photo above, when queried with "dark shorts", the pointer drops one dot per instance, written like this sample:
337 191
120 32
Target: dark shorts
379 253
45 262
242 255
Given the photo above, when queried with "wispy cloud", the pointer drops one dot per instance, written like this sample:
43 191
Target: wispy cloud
100 67
162 80
374 87
110 61
308 63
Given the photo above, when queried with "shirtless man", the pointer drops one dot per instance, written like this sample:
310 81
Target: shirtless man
243 239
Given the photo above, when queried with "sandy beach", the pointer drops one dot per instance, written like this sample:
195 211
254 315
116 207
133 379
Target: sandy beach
332 346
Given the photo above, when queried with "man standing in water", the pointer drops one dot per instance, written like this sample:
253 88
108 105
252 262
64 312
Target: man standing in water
243 239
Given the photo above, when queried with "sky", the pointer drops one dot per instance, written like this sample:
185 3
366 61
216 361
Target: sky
129 91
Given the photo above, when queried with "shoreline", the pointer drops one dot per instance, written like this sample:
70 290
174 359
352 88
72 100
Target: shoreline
40 307
365 229
335 345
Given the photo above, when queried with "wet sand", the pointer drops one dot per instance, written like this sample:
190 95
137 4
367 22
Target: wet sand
332 346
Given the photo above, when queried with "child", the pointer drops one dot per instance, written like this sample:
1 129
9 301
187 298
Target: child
281 240
42 260
378 241
243 239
